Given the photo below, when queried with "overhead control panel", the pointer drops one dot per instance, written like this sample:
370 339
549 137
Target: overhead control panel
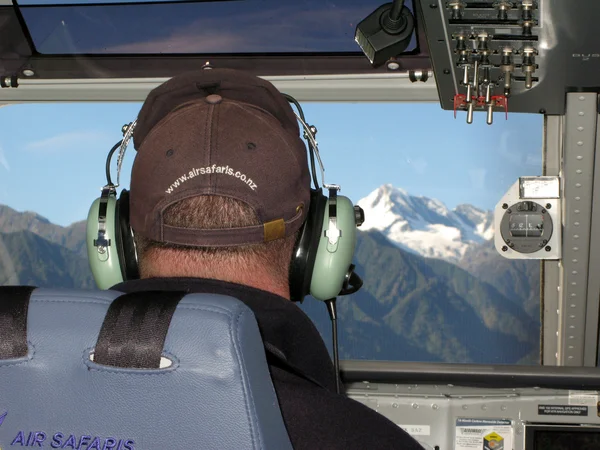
528 220
501 56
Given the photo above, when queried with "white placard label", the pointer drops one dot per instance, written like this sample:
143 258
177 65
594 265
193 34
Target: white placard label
588 398
539 187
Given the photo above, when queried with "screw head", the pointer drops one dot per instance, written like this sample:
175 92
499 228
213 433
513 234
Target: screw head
548 205
548 248
505 248
505 206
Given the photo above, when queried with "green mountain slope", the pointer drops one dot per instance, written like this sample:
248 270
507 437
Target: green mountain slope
518 280
71 237
27 258
428 309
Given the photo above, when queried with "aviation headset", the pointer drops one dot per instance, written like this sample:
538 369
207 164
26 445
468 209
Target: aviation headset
322 259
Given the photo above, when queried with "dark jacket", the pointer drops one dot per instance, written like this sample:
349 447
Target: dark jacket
315 417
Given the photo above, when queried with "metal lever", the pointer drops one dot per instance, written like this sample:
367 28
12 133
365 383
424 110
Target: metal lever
469 107
469 103
476 77
490 104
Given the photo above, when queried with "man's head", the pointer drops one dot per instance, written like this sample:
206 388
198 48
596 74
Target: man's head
220 186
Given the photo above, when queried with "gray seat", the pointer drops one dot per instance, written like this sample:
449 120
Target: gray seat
213 391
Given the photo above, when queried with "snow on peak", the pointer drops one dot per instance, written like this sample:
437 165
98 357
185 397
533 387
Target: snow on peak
425 226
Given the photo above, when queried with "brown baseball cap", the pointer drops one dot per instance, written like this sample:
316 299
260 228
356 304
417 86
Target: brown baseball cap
219 132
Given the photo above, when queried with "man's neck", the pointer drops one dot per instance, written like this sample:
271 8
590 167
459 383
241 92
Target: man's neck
256 277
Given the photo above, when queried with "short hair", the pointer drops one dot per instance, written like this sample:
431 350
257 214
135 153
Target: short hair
210 212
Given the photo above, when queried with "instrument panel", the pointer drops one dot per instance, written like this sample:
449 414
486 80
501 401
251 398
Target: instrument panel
502 56
448 417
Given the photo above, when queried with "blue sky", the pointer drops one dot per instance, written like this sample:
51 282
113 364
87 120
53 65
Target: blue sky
52 155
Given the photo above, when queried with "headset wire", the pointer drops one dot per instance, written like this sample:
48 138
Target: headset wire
108 160
332 309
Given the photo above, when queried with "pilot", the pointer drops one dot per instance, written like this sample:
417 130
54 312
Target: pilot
220 189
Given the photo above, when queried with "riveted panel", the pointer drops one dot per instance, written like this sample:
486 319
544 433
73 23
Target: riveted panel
578 177
550 280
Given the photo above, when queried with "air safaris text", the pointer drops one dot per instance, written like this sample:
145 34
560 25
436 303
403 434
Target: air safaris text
224 170
73 441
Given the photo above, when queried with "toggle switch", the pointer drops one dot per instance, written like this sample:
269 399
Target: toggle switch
483 42
461 43
527 16
463 58
456 7
503 7
527 10
508 67
528 66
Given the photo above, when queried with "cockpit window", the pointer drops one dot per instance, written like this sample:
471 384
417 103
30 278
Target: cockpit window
216 27
435 288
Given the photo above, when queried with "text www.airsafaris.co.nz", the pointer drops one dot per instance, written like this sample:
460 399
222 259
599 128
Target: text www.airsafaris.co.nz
224 170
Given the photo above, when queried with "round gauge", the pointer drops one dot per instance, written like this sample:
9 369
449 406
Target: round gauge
526 227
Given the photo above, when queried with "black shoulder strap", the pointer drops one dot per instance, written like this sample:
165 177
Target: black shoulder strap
135 328
277 358
14 304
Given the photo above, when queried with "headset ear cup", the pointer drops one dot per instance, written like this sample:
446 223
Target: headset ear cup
124 239
101 243
305 252
333 262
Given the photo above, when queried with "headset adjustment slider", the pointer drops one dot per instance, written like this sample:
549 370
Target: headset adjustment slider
102 243
333 233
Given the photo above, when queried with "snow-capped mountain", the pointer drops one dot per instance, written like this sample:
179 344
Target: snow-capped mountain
426 226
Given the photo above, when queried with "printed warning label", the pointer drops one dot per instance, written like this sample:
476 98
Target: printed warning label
562 410
589 398
486 434
416 430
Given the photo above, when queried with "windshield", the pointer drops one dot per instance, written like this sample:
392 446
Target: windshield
435 288
198 27
58 39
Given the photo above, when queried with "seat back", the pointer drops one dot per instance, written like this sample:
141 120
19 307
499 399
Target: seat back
212 390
